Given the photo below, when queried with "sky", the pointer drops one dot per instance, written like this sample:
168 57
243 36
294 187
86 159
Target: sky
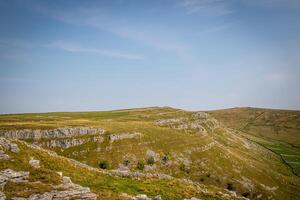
71 55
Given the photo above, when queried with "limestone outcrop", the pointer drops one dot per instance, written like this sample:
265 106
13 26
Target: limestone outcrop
11 175
70 142
52 133
66 190
121 136
8 145
34 163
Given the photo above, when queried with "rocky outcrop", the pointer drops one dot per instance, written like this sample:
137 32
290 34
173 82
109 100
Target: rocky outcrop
54 133
3 156
71 191
200 122
2 196
200 115
129 174
161 122
14 176
193 198
121 136
8 145
34 163
66 190
66 143
139 197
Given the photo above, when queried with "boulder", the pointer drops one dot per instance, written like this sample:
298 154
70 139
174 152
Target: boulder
34 163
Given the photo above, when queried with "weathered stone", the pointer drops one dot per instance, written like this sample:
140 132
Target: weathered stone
3 156
200 115
66 143
158 197
142 197
114 137
8 145
152 154
11 175
130 174
34 163
54 133
2 196
161 122
66 191
193 198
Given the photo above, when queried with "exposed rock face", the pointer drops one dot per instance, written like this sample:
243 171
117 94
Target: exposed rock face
8 145
129 174
193 198
114 137
54 133
3 156
200 122
34 163
2 196
66 190
137 197
168 121
142 197
158 197
200 115
11 175
70 142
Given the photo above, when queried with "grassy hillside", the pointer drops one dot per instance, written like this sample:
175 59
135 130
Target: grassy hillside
174 142
276 130
106 186
281 125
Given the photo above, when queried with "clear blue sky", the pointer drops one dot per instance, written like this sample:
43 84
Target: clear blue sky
193 54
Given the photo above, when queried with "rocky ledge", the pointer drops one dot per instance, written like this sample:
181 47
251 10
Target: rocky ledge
52 133
70 142
67 190
120 136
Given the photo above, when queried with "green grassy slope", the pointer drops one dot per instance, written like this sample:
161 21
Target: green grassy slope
106 186
222 157
281 125
276 130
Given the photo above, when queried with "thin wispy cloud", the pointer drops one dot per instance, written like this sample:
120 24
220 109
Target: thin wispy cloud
75 48
206 7
151 35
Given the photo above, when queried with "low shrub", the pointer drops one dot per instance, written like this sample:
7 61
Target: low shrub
104 164
150 161
141 165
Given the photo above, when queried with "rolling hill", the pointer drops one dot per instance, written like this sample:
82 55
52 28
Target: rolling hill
156 152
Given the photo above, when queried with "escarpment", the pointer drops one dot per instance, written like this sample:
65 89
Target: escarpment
57 138
52 133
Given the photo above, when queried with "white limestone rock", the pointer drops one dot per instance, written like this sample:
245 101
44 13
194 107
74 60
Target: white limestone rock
34 163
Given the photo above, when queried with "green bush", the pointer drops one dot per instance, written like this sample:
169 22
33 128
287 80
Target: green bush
150 161
140 165
104 164
126 162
